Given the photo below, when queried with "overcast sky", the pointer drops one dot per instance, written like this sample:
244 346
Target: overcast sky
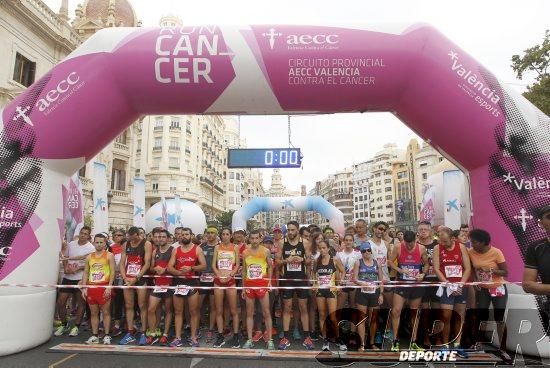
490 31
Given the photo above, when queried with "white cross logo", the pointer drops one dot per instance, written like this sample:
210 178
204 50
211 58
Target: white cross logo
453 55
21 114
508 178
523 217
272 34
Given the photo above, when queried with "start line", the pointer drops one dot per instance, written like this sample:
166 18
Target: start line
476 358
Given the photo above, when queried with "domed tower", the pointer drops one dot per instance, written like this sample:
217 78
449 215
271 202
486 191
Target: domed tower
170 21
98 14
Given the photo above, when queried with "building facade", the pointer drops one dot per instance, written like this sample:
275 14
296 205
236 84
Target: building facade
277 189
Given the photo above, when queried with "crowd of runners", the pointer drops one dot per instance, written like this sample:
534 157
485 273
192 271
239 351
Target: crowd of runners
238 288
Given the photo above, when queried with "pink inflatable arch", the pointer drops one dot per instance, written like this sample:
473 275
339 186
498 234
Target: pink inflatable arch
498 138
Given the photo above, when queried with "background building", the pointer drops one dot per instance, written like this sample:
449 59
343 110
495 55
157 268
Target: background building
277 189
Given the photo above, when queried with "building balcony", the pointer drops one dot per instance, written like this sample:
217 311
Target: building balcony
120 194
188 151
173 149
157 149
188 131
121 147
205 180
175 128
158 128
172 167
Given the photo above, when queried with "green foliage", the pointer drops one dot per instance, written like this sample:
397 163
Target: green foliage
89 221
536 59
225 218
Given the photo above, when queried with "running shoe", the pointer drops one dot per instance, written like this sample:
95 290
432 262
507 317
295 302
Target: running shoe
326 345
209 336
461 352
142 339
343 347
194 343
270 345
378 338
127 339
414 346
158 333
74 331
106 340
163 341
315 336
57 323
296 335
60 330
361 349
117 331
92 340
236 341
395 346
281 334
176 343
249 344
257 336
308 343
149 340
266 337
220 341
284 344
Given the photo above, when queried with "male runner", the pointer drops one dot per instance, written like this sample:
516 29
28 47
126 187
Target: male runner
73 264
134 263
452 265
256 274
186 260
119 237
99 271
161 292
410 261
360 238
294 259
207 279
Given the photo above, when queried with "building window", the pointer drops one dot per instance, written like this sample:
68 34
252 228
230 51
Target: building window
158 143
159 121
231 175
82 171
173 186
231 200
388 198
175 122
155 186
174 163
401 175
388 189
24 70
174 144
423 164
238 176
387 181
231 187
425 176
118 175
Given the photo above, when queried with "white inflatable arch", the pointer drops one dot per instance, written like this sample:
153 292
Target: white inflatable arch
63 120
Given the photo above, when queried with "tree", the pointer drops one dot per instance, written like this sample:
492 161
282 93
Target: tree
536 59
225 218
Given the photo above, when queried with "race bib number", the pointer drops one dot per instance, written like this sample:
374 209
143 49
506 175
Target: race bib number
411 274
498 291
73 265
132 269
182 290
453 271
347 279
225 264
159 289
370 289
254 272
484 276
98 276
294 266
207 277
324 281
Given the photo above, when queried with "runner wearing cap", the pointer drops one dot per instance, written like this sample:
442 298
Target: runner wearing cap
161 292
187 259
410 261
99 270
207 280
256 274
367 274
225 264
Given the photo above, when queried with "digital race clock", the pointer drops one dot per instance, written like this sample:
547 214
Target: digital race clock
264 158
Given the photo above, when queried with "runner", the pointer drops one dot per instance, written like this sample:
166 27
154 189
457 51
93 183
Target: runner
410 261
117 301
134 263
99 270
274 295
316 237
161 292
430 300
361 239
452 266
225 264
380 252
294 259
256 273
348 256
239 237
369 297
73 264
489 265
207 280
327 273
185 262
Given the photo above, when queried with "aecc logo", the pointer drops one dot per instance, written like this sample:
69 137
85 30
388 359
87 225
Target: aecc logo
302 39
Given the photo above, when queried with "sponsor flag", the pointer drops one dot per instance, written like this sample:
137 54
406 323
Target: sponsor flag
73 207
164 212
139 202
452 198
101 211
177 214
427 210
